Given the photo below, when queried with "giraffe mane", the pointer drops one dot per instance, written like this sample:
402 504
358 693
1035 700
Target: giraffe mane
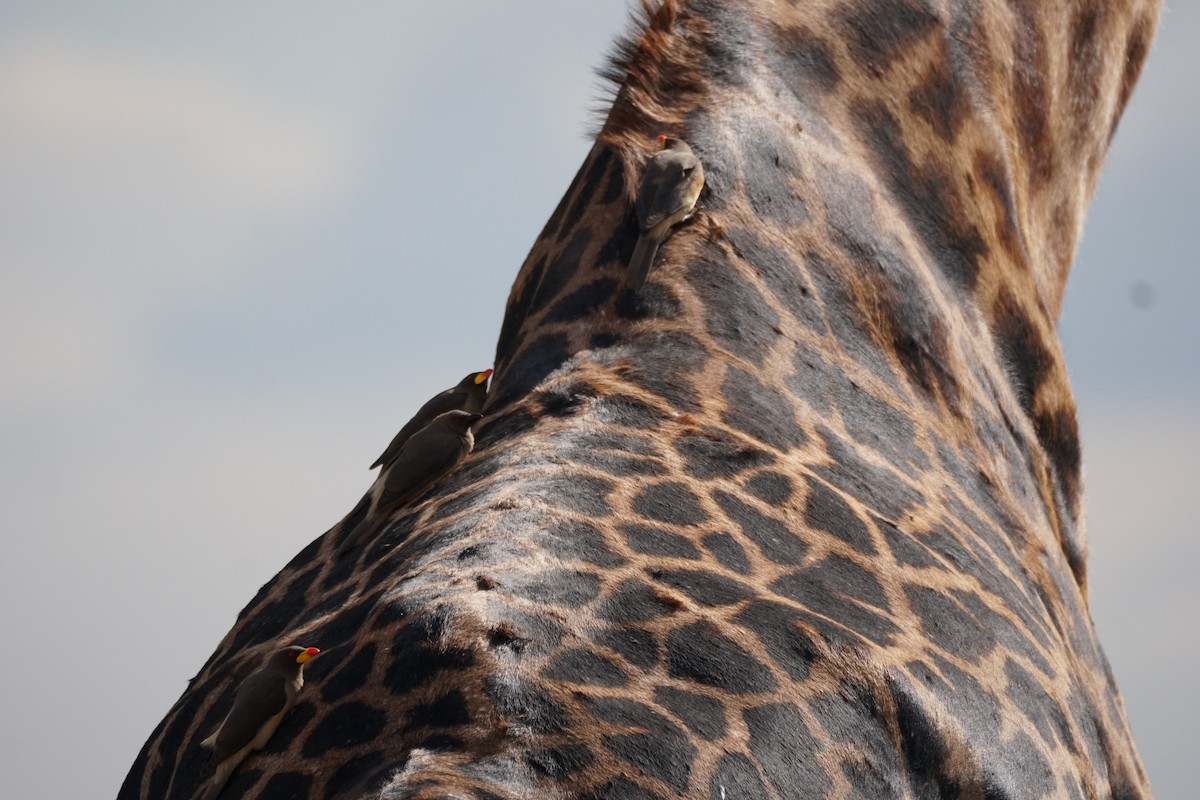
649 70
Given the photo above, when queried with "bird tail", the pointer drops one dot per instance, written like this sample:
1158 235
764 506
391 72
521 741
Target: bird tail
217 782
362 513
641 261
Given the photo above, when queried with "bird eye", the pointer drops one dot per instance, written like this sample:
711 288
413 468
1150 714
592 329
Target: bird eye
687 171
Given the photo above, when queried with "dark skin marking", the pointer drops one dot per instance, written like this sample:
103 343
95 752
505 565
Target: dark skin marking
658 542
582 302
350 676
636 645
345 726
729 45
563 587
759 411
273 619
620 466
1085 67
417 659
633 601
808 62
667 367
1001 629
727 552
927 194
774 539
880 32
710 453
880 489
1047 715
938 97
296 724
594 170
448 711
566 401
879 425
735 776
703 715
786 643
947 625
354 773
561 762
526 702
659 749
783 278
626 410
992 175
620 789
827 587
582 666
578 493
535 362
750 333
827 511
579 540
699 652
907 548
1058 432
650 303
704 587
519 305
562 269
922 745
1031 96
777 733
849 327
773 488
669 502
1027 359
813 378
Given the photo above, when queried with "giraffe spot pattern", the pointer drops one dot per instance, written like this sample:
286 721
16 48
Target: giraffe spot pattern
777 503
699 652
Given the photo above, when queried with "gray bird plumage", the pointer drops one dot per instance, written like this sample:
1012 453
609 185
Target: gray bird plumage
258 707
429 455
468 395
670 187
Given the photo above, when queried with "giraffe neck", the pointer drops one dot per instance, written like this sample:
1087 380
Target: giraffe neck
931 166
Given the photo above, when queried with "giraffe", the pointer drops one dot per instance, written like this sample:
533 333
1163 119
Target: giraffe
800 519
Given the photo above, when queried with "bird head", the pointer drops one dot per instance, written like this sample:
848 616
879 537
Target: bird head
474 380
458 421
290 659
475 386
663 141
306 655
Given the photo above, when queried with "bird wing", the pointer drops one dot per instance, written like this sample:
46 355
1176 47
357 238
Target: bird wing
665 188
440 403
420 463
262 696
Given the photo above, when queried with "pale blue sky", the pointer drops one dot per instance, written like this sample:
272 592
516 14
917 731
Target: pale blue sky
239 243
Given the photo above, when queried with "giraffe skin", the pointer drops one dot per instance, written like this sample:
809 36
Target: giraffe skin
801 519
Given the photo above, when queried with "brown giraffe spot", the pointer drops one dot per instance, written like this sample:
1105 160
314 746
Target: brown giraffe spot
939 97
809 61
881 32
1031 96
927 194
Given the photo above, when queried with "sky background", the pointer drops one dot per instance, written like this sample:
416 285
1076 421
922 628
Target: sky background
240 243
